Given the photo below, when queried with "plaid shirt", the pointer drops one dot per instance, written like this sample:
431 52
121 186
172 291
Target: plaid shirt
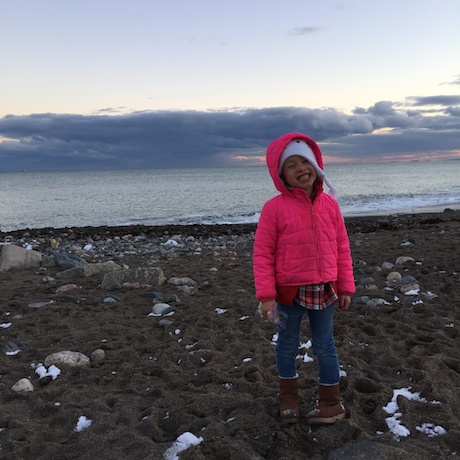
316 296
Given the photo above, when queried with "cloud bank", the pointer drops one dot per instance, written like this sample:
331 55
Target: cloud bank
422 128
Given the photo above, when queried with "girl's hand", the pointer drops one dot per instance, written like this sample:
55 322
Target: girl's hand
265 307
344 302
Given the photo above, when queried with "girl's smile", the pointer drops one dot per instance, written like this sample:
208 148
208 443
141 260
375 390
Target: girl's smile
298 172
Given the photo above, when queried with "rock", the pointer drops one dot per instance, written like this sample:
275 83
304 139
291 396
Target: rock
53 258
162 309
111 299
387 266
67 288
408 280
90 270
182 281
367 281
69 358
13 348
394 277
144 275
34 306
371 287
130 286
409 288
23 386
15 257
97 356
402 260
359 263
361 300
377 302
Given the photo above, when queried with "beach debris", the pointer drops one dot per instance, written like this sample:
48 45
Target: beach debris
23 386
5 325
54 243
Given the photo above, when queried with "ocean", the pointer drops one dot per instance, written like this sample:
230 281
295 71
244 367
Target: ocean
210 196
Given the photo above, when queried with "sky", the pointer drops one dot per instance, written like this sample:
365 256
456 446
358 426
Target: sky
111 84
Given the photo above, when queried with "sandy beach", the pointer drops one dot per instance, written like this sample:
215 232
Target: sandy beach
207 368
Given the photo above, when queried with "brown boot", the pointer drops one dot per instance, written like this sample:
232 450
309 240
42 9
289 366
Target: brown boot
289 400
329 408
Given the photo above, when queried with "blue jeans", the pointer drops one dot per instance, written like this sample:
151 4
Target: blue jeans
322 337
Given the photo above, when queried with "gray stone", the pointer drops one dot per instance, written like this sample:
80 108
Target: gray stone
162 309
182 281
15 257
409 287
377 302
394 277
89 270
402 260
144 275
53 258
23 386
368 280
69 358
387 266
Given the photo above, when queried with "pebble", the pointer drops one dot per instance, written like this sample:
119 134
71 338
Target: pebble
162 309
23 386
403 259
97 356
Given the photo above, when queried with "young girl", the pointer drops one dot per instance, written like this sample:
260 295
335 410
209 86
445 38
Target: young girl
302 264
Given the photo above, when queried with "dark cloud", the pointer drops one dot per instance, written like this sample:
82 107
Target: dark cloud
165 139
444 101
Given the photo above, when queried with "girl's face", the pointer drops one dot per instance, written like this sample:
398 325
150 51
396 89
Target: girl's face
298 172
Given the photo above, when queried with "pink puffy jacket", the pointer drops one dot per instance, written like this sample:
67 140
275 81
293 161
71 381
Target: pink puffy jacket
298 242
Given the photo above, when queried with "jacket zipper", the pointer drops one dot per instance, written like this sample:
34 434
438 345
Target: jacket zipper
315 230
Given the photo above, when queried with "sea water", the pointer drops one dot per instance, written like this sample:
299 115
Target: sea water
211 195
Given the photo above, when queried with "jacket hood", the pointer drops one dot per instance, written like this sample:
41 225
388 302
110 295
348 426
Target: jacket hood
275 150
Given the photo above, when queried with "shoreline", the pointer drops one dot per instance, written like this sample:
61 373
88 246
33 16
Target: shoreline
364 223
